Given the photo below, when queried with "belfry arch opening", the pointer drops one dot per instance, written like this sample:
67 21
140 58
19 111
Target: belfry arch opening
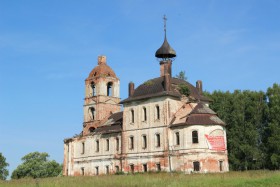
93 91
92 113
109 88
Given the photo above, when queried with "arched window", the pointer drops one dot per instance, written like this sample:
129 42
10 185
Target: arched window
83 148
107 144
157 140
177 135
117 144
92 85
157 112
131 168
221 165
144 143
144 114
131 142
91 129
196 166
97 145
92 113
82 171
109 88
194 137
132 116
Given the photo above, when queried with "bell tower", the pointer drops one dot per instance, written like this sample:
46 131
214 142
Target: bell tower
102 95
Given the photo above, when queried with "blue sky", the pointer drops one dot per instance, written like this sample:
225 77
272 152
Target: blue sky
48 48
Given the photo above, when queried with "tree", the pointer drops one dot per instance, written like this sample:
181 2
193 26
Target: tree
37 165
3 165
244 114
273 129
182 75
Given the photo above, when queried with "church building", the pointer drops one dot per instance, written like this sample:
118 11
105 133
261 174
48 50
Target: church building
165 125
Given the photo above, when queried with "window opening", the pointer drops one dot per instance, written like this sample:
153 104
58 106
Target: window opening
177 138
93 89
194 137
117 144
144 114
107 144
158 167
221 165
157 112
131 141
145 168
91 129
83 148
132 116
96 170
107 170
92 111
109 88
144 146
132 168
157 140
117 168
97 145
196 166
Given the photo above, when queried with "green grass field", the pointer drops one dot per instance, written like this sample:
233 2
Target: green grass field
249 178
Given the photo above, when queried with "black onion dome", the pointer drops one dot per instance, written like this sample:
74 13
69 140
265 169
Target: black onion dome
165 51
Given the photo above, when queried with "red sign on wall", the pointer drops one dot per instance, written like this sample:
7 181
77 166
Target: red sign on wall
216 142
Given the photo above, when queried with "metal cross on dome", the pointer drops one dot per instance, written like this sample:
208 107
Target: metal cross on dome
164 19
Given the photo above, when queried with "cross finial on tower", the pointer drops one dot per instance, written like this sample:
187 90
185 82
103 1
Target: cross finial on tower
164 19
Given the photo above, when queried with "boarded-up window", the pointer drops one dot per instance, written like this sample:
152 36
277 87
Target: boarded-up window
194 137
196 166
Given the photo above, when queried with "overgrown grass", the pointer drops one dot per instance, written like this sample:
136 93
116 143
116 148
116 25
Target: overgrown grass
249 178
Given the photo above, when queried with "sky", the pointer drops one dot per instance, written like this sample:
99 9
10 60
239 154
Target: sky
48 48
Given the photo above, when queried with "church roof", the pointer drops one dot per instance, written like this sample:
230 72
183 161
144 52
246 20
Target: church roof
200 115
155 88
100 70
112 125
